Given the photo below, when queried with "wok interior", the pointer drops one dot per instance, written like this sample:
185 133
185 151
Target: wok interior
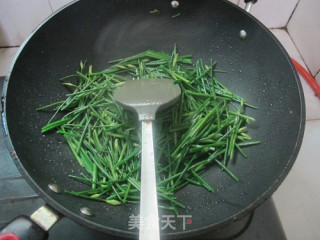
257 68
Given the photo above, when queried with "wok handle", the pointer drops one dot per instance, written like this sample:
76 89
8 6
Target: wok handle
249 4
149 218
35 227
23 228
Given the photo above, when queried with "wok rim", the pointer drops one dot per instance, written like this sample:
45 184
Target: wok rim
186 233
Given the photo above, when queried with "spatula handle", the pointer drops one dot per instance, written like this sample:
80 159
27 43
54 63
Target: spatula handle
149 218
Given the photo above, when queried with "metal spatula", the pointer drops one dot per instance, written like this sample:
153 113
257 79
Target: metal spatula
146 96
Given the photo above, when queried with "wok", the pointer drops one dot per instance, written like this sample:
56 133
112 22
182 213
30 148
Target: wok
258 68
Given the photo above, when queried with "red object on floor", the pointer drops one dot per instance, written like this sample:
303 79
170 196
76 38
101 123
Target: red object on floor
308 77
8 236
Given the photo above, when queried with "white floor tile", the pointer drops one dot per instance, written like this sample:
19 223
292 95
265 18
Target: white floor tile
19 18
312 101
6 56
304 28
298 198
272 13
57 4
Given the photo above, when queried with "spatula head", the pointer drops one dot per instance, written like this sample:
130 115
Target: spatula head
146 96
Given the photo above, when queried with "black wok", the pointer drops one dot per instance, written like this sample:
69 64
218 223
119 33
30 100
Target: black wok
258 68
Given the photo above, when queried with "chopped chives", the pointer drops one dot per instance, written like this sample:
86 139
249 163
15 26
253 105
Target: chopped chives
197 133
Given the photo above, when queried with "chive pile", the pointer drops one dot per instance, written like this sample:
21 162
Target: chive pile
206 127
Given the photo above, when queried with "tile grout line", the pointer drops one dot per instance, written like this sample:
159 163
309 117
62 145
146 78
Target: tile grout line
18 177
50 6
18 199
317 73
9 46
313 119
287 31
286 26
278 28
297 49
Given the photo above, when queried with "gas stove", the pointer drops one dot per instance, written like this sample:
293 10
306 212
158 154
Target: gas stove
18 198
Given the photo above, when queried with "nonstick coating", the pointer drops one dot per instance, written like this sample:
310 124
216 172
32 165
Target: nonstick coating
258 68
